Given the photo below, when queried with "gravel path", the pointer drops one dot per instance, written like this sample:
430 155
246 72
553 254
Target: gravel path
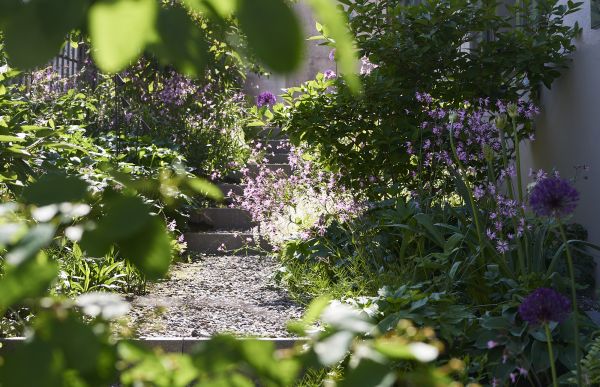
216 294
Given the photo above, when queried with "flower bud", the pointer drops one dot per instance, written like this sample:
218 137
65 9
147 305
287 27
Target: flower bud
488 153
501 121
512 110
452 117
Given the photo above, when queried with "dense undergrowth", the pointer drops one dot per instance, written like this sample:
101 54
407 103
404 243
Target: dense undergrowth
144 124
408 204
448 229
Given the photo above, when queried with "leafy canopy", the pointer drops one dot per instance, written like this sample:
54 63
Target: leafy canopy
121 30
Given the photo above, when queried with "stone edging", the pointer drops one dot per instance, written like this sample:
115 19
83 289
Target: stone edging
168 344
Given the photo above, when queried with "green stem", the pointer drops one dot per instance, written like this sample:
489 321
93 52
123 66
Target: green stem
551 355
469 193
521 191
509 185
511 195
574 301
518 161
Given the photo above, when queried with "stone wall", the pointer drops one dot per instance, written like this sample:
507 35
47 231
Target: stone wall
316 60
568 130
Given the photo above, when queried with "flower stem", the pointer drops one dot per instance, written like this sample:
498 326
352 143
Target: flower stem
511 195
520 189
518 161
551 355
469 191
574 301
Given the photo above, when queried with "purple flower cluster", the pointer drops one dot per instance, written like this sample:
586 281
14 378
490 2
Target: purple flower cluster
329 74
543 306
47 85
476 133
332 55
176 90
299 205
366 66
553 196
266 98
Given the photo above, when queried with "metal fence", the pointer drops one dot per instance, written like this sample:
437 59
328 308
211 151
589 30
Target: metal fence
70 60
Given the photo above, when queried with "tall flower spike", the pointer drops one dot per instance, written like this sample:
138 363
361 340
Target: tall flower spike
543 306
553 196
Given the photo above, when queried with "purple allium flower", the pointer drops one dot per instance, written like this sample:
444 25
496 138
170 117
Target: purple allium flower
492 344
553 196
266 98
329 74
545 305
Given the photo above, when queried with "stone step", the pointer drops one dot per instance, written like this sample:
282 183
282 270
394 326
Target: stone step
232 189
269 133
286 168
278 158
237 176
278 146
222 243
223 219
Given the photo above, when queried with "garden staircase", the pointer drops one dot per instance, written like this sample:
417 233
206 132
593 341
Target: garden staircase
228 286
227 230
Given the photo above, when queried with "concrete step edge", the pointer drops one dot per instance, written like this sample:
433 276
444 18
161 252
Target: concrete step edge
226 242
172 344
223 218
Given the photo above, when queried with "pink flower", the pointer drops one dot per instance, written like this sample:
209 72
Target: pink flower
329 74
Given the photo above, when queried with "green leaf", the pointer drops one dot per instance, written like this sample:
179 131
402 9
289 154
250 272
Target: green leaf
223 8
273 32
335 22
398 349
205 188
311 315
345 317
125 216
539 356
181 43
425 221
37 238
334 348
4 138
369 373
54 189
149 250
120 30
37 29
31 279
40 354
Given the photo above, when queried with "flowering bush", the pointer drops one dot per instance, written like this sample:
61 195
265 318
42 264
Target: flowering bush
410 49
202 119
296 205
449 209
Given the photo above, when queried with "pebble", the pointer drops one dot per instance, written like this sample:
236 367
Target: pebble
215 294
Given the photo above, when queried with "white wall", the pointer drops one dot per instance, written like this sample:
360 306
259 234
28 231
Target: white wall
315 60
568 130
